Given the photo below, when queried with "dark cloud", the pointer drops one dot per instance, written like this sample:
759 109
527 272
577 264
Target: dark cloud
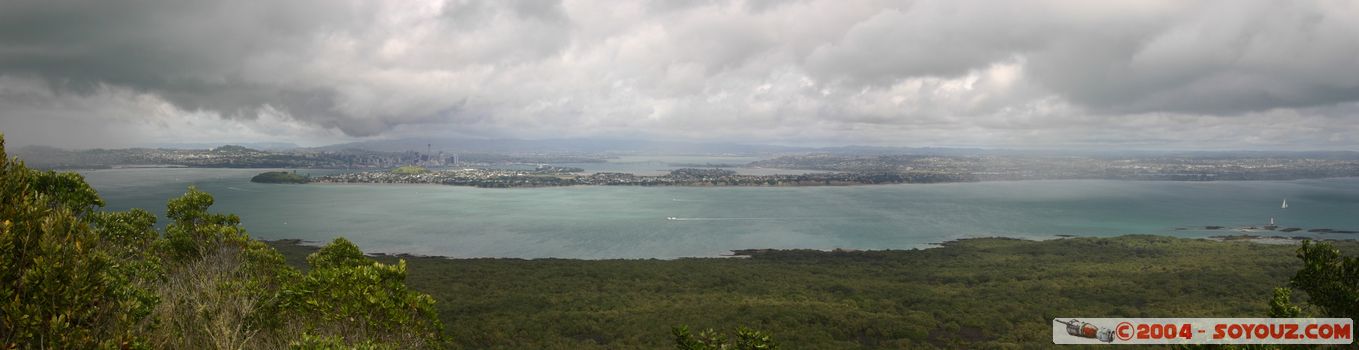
828 71
188 52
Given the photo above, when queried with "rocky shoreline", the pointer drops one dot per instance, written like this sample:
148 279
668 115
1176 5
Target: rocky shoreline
1248 234
1272 228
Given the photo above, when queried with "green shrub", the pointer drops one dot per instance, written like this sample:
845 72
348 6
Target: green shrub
1330 279
74 277
61 286
316 342
348 295
709 339
338 254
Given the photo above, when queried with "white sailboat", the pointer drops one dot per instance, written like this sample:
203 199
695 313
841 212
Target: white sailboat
1273 225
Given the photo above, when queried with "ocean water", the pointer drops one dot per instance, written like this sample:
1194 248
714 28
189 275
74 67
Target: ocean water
633 222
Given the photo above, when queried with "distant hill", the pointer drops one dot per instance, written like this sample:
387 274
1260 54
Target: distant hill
561 146
581 145
264 146
550 150
233 149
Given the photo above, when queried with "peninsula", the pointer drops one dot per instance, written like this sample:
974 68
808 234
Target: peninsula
554 176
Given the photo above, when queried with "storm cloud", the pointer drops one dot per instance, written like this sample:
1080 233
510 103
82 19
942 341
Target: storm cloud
1138 74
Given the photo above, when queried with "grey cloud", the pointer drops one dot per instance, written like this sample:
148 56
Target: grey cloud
499 32
927 39
1221 57
189 52
236 58
1227 58
735 69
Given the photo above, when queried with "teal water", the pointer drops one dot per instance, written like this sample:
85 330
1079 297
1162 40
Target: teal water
631 222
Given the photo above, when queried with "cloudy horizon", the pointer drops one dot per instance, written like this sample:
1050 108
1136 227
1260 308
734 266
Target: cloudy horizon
1265 75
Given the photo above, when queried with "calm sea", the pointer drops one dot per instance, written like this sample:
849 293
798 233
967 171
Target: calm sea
635 222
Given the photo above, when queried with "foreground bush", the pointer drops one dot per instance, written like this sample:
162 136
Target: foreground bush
1330 280
349 296
75 277
709 339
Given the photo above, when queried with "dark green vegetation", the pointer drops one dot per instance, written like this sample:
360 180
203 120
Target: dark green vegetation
1330 279
410 170
280 177
709 339
976 293
75 277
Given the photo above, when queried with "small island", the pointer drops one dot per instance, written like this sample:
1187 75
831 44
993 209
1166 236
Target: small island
280 177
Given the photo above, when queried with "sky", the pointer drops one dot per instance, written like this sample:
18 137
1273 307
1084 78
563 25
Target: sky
1143 74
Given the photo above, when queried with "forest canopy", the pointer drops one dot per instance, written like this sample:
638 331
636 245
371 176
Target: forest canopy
280 177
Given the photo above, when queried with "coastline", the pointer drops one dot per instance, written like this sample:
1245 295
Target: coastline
687 177
809 296
299 248
823 179
709 184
